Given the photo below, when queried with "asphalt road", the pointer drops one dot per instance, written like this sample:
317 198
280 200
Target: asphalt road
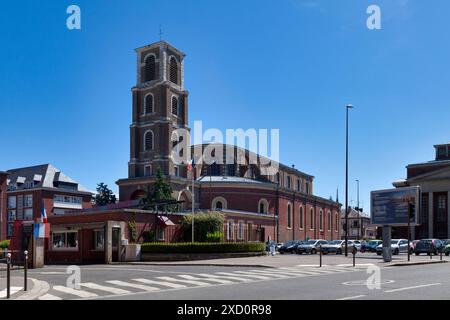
241 283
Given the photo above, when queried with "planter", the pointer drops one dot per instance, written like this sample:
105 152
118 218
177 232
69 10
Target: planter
132 252
196 256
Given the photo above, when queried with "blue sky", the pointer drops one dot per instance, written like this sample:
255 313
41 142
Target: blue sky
65 95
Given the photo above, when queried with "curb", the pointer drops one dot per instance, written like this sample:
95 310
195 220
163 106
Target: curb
39 289
405 264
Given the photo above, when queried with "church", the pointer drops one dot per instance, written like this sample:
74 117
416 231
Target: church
257 205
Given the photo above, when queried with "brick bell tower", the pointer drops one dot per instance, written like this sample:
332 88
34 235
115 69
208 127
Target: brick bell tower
160 106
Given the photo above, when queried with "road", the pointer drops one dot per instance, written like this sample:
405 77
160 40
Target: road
137 282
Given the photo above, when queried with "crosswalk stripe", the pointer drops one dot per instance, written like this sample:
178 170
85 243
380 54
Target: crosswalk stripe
258 272
48 296
13 290
161 283
133 285
280 274
112 290
75 292
197 283
259 277
222 281
291 273
206 275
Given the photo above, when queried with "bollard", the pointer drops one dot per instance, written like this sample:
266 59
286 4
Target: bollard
431 255
25 271
441 255
8 275
320 256
354 257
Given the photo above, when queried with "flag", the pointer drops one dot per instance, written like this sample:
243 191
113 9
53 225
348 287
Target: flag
43 213
41 230
191 165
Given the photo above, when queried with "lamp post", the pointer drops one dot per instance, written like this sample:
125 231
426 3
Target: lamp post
358 209
349 106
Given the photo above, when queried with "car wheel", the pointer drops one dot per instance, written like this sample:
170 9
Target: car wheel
313 251
339 251
447 254
396 252
379 253
417 253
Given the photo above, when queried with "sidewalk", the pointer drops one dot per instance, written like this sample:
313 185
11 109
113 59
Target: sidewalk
289 260
17 286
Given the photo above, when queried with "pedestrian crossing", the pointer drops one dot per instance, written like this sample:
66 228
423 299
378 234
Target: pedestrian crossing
13 290
112 288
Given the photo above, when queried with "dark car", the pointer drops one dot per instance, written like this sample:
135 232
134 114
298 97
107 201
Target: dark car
429 246
371 246
289 247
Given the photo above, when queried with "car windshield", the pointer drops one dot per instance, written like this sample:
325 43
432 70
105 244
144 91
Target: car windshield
374 243
290 243
446 242
394 242
311 242
335 242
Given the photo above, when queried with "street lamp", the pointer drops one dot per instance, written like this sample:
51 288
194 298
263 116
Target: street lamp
349 106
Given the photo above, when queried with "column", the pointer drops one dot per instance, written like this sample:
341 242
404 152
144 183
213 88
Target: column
430 214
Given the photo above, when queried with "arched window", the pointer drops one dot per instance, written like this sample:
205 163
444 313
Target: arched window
289 217
173 70
148 104
219 203
330 220
311 219
336 225
301 217
150 68
263 206
148 141
175 106
321 220
288 182
307 187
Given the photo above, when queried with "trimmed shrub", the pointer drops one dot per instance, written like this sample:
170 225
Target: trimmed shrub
200 247
204 223
4 244
216 237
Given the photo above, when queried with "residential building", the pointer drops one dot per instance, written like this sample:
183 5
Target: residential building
359 225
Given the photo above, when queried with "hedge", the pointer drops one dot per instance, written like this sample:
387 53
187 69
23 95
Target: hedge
4 244
200 247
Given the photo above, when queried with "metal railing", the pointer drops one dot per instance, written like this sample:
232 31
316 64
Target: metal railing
9 265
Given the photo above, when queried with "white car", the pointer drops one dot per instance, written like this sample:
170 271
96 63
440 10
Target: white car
397 246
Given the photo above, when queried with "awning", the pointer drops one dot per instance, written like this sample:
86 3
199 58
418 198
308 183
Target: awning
165 221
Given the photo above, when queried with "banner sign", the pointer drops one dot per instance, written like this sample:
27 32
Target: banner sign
391 207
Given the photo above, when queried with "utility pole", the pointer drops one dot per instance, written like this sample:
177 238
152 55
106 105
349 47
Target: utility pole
346 179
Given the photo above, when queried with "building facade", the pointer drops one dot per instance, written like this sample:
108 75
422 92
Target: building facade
433 178
359 225
31 189
244 189
3 207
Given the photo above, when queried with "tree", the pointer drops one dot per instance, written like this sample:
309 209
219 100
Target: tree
162 192
104 195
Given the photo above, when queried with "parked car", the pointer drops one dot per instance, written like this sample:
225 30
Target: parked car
429 246
289 247
337 247
447 250
357 244
397 246
412 245
371 246
311 246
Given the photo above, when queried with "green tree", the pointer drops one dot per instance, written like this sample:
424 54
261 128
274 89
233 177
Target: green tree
162 191
104 195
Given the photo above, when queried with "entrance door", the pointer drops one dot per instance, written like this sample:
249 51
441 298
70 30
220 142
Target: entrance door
115 244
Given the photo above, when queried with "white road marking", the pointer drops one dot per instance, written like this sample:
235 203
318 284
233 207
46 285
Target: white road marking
95 286
272 273
222 281
48 296
224 277
75 292
411 288
352 298
196 283
133 285
13 290
161 283
259 277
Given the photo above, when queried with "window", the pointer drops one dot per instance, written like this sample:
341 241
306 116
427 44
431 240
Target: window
148 171
28 214
148 104
176 171
10 229
175 106
240 231
263 206
67 199
311 219
321 220
219 205
288 182
301 218
307 187
336 225
11 215
150 68
230 230
442 152
278 178
29 185
173 70
12 202
65 240
148 141
330 220
289 217
231 170
99 240
355 224
59 212
28 201
299 185
160 234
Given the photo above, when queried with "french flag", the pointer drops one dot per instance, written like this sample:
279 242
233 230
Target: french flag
191 165
43 213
